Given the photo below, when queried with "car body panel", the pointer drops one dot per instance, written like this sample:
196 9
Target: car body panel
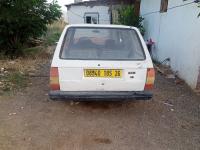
71 72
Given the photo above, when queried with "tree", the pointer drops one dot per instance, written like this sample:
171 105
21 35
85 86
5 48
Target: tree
128 17
199 7
21 20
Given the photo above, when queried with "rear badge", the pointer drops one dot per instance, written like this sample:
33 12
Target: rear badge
131 72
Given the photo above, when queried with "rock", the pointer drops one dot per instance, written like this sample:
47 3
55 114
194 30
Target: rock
2 69
170 76
10 114
163 116
168 104
76 103
31 74
12 62
71 103
179 81
1 74
22 73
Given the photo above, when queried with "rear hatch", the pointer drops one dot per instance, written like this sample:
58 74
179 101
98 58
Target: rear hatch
101 59
102 76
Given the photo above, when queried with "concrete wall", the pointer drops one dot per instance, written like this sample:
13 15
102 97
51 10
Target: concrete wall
76 14
177 36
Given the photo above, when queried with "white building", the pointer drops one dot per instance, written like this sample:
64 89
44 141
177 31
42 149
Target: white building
94 12
175 28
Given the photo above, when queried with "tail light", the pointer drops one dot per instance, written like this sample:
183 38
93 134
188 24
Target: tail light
150 79
54 79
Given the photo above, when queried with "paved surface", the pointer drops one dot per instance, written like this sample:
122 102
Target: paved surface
171 121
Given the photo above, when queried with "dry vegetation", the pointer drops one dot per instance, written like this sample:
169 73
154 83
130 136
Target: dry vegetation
54 32
15 73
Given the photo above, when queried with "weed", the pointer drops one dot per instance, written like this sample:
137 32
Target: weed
17 79
53 33
14 72
31 51
13 81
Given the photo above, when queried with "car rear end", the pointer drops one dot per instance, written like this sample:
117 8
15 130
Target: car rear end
101 62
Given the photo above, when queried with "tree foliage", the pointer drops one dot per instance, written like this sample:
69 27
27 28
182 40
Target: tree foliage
128 17
21 20
199 7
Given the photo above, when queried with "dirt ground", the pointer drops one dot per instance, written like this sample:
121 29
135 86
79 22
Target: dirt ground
171 121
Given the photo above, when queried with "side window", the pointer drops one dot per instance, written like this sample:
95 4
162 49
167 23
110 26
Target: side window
163 6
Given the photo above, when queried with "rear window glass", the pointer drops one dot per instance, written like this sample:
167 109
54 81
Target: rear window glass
101 44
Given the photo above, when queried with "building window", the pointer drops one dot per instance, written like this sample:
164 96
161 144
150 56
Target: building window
91 18
163 6
88 19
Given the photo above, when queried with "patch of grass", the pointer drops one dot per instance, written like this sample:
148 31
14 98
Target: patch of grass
14 72
52 39
17 79
13 81
2 56
31 51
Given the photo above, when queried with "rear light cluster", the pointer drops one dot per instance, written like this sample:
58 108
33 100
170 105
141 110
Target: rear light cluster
150 79
54 79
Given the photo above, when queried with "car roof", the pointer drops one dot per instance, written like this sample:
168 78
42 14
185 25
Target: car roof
102 26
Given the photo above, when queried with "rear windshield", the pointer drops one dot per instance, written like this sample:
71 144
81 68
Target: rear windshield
101 44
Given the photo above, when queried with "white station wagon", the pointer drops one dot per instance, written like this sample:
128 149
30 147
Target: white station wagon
99 62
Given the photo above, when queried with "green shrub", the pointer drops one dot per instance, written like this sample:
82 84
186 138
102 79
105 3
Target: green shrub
21 20
199 7
128 17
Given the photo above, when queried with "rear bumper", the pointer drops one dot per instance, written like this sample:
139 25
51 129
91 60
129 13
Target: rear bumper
96 96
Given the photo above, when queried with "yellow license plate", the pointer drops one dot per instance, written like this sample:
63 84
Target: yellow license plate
103 73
